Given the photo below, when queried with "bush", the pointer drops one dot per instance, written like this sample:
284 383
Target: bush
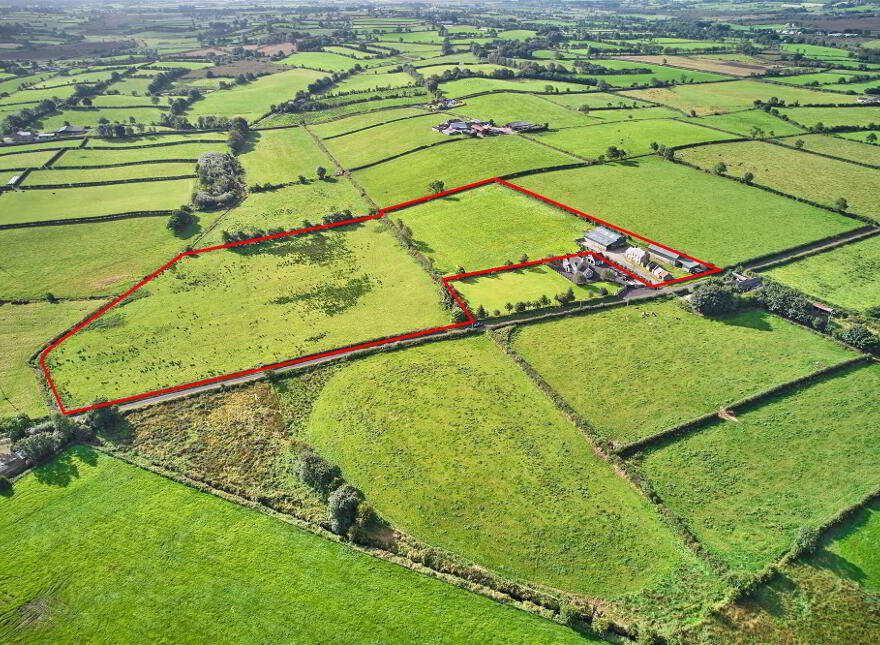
103 418
14 427
860 337
316 473
5 484
713 298
38 447
343 507
180 220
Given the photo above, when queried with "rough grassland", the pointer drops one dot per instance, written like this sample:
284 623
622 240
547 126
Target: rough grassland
850 550
713 98
668 366
713 219
92 201
85 259
94 537
493 291
23 330
459 449
270 301
746 487
61 176
795 173
357 121
833 117
280 156
634 137
837 147
742 123
88 157
375 144
848 276
487 226
455 164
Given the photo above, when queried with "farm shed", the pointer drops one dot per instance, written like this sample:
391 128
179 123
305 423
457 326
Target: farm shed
602 238
745 283
664 255
636 255
691 266
660 272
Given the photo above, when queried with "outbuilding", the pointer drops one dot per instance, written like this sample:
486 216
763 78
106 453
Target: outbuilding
602 238
664 255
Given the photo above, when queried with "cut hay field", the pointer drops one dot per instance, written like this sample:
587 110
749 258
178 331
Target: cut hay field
850 550
635 137
93 157
289 208
466 86
835 116
302 294
495 291
25 160
642 391
280 156
61 176
23 330
793 172
489 226
745 488
712 219
714 98
369 146
725 67
254 99
92 201
86 260
326 61
93 536
848 276
376 80
455 164
837 147
358 121
459 449
741 123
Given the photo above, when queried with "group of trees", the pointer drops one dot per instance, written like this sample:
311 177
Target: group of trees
181 219
347 513
238 132
220 181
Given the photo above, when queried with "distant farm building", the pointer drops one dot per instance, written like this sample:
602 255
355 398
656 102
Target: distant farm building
664 255
691 266
603 239
523 126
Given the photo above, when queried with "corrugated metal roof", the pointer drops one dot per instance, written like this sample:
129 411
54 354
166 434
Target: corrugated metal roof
604 236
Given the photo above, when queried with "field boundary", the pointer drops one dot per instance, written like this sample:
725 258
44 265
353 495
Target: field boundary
468 316
85 220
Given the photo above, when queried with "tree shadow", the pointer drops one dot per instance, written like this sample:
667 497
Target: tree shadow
825 559
190 230
757 319
772 597
120 433
421 247
250 142
58 472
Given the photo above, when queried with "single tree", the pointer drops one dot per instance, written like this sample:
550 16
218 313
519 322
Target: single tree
321 172
342 507
748 177
436 186
720 168
799 144
841 204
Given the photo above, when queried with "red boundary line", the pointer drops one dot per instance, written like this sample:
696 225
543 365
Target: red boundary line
470 319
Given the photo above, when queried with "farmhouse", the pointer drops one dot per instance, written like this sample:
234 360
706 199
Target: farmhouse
602 239
456 126
664 255
22 136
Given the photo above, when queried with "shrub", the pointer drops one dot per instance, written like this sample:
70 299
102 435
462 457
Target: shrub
860 337
180 220
5 484
713 298
37 447
315 472
14 427
104 417
342 508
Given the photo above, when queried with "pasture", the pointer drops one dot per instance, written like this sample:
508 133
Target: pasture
93 536
280 156
834 116
594 100
25 160
838 147
358 121
468 86
324 61
86 175
710 218
332 112
850 549
91 117
847 276
23 330
746 487
743 122
489 226
155 137
372 81
304 294
795 173
459 449
504 108
369 146
641 391
121 154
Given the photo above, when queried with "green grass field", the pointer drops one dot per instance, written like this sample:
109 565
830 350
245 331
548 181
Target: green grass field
328 61
90 157
367 81
640 389
859 136
280 156
795 173
375 144
23 330
458 448
594 100
741 123
838 147
358 121
822 78
635 137
488 226
90 118
848 276
151 138
92 201
850 550
466 86
303 294
456 164
504 108
746 487
713 219
834 116
25 160
94 536
61 176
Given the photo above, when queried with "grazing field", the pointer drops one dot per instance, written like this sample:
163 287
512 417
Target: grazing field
634 137
280 156
119 101
86 259
594 100
438 68
710 218
455 164
467 86
92 201
368 81
795 173
156 137
67 522
334 112
91 118
848 276
495 291
715 98
862 135
504 108
745 487
459 449
488 226
850 550
833 117
23 330
25 160
86 175
93 157
838 147
326 61
743 123
822 78
304 294
369 146
358 121
641 391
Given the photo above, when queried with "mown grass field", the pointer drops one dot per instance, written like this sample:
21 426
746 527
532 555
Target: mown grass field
367 81
742 123
667 366
94 536
848 276
635 137
837 147
459 449
61 176
594 100
850 550
714 98
795 173
302 294
86 260
496 290
23 330
25 160
834 116
710 218
91 118
91 157
369 146
357 121
280 156
465 86
455 164
746 487
328 61
355 109
489 226
504 108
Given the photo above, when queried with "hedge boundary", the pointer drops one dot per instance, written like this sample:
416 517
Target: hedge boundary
112 182
405 153
823 154
87 220
127 163
863 233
